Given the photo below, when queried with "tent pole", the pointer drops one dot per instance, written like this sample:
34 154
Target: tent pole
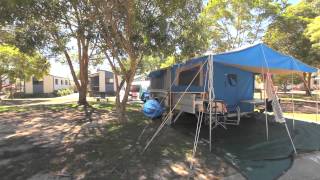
265 103
317 96
293 146
265 106
165 120
170 105
200 118
210 102
293 120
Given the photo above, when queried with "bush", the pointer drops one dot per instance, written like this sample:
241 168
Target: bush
35 95
62 92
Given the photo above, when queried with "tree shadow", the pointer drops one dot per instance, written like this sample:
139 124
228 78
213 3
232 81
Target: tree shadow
55 141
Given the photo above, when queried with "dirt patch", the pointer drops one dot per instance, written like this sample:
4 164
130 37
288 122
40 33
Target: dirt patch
64 143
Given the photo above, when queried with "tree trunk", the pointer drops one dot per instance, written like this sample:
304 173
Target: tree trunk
83 78
306 84
121 103
309 81
82 96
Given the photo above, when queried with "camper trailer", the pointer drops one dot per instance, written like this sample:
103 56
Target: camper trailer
231 86
220 87
232 78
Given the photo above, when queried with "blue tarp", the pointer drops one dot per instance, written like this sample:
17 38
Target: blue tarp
261 56
152 109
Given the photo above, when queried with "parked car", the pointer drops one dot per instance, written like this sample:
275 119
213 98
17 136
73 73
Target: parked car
134 93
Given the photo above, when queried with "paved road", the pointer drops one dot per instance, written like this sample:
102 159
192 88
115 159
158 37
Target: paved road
305 166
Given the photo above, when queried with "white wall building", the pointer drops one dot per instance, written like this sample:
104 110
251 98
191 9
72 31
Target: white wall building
48 84
102 83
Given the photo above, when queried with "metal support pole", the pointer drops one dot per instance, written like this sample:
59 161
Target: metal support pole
293 146
317 95
210 89
266 115
293 120
176 118
265 106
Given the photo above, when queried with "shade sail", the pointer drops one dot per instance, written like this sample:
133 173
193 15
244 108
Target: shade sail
260 58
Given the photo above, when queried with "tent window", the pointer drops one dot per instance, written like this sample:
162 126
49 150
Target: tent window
232 80
187 75
157 82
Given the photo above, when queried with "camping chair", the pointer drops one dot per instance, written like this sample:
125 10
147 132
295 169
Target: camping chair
233 111
221 115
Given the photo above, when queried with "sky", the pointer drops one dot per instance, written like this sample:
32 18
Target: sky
63 70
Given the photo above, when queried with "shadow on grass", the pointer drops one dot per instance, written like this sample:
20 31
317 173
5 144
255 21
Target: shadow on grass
10 102
57 139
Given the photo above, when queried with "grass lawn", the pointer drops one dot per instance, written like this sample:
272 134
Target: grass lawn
303 117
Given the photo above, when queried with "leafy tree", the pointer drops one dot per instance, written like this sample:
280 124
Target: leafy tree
15 64
131 30
149 63
313 32
287 35
171 60
53 25
285 80
234 23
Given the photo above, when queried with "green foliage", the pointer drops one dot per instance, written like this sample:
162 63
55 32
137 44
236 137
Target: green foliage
285 80
63 92
33 95
313 32
287 33
234 23
171 60
148 63
15 64
151 63
158 29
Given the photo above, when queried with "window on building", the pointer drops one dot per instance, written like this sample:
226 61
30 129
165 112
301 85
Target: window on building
37 81
61 82
109 80
69 82
187 75
56 81
66 82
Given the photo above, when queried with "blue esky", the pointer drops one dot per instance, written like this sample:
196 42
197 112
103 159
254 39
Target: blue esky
63 69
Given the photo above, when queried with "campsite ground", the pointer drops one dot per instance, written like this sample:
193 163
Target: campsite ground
59 141
56 139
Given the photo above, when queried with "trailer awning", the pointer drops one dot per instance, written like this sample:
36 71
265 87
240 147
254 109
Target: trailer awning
260 58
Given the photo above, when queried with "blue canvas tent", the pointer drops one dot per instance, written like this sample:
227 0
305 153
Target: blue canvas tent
233 76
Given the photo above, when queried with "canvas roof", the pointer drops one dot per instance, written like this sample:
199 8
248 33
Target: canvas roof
260 58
